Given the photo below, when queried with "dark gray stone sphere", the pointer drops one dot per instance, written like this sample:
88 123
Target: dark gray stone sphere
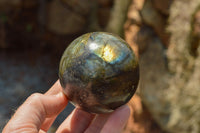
99 72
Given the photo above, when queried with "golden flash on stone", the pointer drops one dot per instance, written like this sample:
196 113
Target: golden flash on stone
108 54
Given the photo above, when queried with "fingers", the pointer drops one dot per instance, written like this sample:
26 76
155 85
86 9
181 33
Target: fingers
76 122
110 123
39 111
47 123
55 89
98 123
80 121
32 113
117 120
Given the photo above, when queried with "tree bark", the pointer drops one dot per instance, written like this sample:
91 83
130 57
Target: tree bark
118 17
172 94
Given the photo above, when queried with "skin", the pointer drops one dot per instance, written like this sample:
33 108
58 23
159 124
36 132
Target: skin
39 111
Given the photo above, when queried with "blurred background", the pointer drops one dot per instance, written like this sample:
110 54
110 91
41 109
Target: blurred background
164 34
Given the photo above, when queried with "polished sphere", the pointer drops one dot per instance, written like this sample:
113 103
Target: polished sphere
99 72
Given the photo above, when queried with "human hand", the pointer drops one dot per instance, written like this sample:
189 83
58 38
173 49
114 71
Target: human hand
39 111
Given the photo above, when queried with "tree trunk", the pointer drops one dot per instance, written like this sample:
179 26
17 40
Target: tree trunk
171 89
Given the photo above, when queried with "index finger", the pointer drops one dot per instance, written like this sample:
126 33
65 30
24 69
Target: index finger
55 89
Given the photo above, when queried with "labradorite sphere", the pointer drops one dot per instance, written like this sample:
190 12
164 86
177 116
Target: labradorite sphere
99 72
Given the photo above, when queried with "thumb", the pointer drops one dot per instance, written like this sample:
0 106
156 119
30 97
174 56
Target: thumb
32 113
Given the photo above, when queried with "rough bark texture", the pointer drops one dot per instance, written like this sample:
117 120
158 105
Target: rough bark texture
118 17
154 81
155 19
172 95
184 88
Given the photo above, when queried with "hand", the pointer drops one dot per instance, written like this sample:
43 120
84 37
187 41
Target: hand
39 111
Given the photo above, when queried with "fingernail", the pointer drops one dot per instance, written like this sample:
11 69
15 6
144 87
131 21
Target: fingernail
60 94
